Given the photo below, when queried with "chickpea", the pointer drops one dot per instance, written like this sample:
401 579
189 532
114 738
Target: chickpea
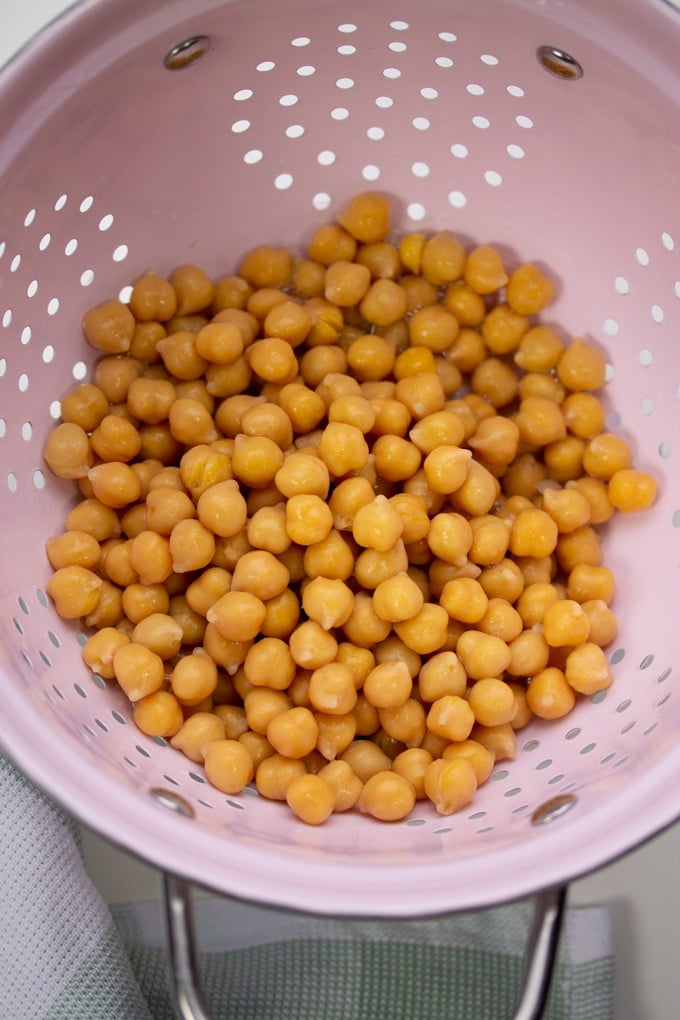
603 622
387 795
533 533
85 406
587 670
366 217
500 740
422 394
530 654
75 591
332 690
549 696
529 290
138 670
450 784
308 519
492 701
631 491
73 548
565 623
581 367
269 663
483 655
67 451
327 601
426 631
480 758
539 350
583 415
192 546
343 448
109 327
228 765
434 328
158 714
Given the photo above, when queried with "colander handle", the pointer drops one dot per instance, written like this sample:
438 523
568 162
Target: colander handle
541 951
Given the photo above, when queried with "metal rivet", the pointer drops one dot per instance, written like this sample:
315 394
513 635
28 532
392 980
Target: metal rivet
559 63
172 801
186 52
553 808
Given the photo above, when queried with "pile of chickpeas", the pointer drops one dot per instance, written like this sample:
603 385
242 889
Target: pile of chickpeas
337 528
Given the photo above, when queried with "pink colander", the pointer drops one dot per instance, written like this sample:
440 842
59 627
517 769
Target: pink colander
148 135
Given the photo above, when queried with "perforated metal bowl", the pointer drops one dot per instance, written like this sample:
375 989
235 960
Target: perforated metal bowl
137 135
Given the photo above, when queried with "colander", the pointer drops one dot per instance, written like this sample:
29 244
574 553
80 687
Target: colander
148 135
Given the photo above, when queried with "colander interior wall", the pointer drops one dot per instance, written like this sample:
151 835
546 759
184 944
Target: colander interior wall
111 163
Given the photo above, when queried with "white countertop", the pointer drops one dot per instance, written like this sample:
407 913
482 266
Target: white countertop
642 889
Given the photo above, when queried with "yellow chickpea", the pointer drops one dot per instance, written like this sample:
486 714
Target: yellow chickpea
311 798
451 717
483 655
158 714
492 701
587 669
366 217
138 670
450 784
631 491
581 367
479 757
192 546
442 675
75 591
388 796
308 519
540 421
332 690
533 533
565 623
529 290
583 414
549 696
109 327
228 765
603 622
530 654
397 598
426 631
422 395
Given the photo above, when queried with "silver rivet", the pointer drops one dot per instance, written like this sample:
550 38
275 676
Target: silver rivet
186 52
172 801
553 808
559 63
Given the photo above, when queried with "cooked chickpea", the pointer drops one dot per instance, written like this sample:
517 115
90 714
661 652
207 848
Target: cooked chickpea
581 367
75 591
100 649
631 491
565 623
533 533
332 690
530 654
603 622
387 795
549 696
192 546
483 655
450 784
158 714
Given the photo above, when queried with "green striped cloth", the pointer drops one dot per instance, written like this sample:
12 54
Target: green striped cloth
66 955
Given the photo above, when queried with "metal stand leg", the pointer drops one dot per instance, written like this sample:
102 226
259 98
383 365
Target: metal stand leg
541 952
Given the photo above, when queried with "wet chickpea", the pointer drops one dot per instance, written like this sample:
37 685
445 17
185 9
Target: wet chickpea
587 581
388 796
583 414
343 448
492 701
483 655
231 291
549 695
450 784
568 508
165 507
582 545
85 406
193 288
603 622
529 290
631 491
346 283
495 381
530 654
138 670
581 367
158 714
109 327
392 417
180 357
333 557
533 533
565 623
433 327
539 350
366 217
75 591
422 394
484 270
73 549
67 451
114 375
501 619
503 580
426 631
606 454
597 494
412 360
